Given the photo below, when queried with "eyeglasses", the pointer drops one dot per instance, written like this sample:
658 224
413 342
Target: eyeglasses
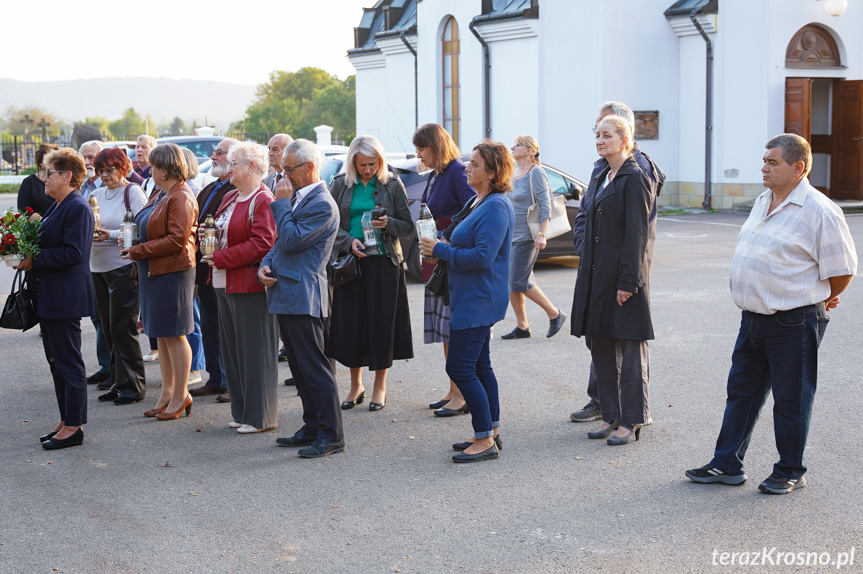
105 171
289 170
235 163
48 172
219 152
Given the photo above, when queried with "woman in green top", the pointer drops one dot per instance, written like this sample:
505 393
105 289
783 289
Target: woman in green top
370 321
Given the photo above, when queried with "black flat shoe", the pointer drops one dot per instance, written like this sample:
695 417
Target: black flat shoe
488 454
346 405
517 334
296 440
322 447
74 440
127 400
290 382
45 437
109 396
445 412
98 377
463 445
438 404
105 385
556 324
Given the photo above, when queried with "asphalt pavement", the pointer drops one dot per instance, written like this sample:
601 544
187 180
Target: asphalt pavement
192 495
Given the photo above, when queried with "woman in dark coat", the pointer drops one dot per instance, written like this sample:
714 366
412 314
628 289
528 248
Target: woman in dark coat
371 323
612 296
62 289
32 191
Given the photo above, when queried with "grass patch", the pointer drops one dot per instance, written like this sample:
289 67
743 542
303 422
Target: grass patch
9 187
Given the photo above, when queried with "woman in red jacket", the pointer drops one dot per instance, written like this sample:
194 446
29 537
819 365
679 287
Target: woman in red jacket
248 333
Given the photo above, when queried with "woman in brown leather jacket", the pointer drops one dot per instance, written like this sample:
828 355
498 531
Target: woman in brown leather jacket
165 255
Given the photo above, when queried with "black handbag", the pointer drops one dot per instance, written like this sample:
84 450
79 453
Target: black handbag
343 270
18 313
438 283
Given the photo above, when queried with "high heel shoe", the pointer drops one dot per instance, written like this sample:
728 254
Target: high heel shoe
621 440
378 406
357 401
606 432
153 412
187 406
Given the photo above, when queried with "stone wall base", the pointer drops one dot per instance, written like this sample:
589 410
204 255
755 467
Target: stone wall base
691 194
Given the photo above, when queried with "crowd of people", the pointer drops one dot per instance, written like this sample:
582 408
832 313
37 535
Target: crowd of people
278 227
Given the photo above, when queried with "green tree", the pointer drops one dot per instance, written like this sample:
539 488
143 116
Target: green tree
18 121
131 125
178 126
101 124
335 106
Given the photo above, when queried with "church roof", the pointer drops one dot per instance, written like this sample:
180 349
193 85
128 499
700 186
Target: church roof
685 7
386 18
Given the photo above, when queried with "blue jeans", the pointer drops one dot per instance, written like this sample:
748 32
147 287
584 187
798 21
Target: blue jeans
210 337
194 339
468 364
780 353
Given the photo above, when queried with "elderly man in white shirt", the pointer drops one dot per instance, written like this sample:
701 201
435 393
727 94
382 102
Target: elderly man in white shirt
794 256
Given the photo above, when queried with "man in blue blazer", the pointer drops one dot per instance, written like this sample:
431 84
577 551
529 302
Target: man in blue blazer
295 275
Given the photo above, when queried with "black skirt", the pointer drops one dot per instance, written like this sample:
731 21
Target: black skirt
370 321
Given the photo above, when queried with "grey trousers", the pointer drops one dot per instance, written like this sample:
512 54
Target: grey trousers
622 371
249 341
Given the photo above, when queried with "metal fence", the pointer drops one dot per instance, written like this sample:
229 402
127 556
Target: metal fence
18 153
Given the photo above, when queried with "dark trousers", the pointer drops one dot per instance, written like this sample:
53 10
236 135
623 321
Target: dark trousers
313 375
103 353
61 339
209 307
468 364
776 352
117 305
592 392
622 378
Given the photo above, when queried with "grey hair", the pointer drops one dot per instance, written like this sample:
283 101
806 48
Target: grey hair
366 146
248 152
85 145
191 163
620 109
150 140
794 148
230 141
306 152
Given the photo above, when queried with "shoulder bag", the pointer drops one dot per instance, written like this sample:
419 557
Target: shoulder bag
343 269
558 222
18 312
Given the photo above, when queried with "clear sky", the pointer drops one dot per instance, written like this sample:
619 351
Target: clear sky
232 41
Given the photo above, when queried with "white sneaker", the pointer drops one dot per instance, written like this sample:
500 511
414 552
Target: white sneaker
195 377
249 429
152 356
235 425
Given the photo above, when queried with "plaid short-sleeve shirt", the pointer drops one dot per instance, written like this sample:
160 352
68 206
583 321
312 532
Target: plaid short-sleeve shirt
784 260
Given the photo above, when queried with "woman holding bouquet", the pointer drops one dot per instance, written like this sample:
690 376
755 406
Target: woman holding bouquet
62 290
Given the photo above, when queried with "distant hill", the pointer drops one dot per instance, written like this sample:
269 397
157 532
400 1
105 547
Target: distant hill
72 100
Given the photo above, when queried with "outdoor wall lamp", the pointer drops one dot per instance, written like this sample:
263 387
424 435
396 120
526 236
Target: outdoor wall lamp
835 7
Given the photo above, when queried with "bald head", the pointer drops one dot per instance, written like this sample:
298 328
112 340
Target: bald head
276 147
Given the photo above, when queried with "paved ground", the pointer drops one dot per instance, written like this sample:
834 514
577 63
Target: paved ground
193 496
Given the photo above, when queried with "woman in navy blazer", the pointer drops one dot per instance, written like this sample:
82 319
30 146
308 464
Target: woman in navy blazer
477 258
62 288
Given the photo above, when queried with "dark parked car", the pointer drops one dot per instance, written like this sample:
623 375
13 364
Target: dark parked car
202 146
414 179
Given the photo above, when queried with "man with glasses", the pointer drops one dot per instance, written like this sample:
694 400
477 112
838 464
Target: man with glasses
209 201
295 275
591 411
90 150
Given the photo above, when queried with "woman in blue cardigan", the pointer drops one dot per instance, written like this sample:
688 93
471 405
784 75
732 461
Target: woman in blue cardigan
62 289
477 257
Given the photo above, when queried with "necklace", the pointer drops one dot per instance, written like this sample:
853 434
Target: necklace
116 191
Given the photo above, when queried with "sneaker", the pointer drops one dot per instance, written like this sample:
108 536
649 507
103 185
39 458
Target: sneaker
589 412
152 356
195 377
234 425
711 475
775 484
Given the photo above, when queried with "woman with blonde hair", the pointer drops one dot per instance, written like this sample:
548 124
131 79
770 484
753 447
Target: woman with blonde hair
370 325
446 193
530 186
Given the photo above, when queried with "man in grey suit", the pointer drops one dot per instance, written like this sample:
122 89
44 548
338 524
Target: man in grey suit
295 275
275 153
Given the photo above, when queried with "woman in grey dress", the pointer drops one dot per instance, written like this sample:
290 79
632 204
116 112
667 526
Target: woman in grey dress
530 185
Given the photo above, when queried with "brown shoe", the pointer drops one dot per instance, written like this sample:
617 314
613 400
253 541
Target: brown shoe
224 398
205 390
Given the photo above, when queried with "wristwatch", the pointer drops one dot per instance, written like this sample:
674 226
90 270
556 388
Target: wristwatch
542 233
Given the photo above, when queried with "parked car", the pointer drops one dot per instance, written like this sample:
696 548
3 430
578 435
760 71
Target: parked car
128 147
203 146
414 178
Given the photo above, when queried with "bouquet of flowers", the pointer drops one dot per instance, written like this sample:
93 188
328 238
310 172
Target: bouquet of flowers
19 235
